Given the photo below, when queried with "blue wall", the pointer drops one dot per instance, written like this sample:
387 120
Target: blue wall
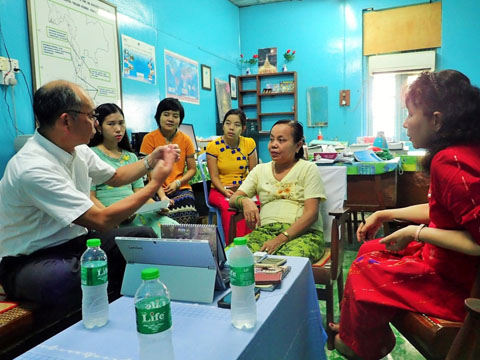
206 31
327 36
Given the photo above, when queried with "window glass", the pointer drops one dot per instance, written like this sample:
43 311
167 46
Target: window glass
387 110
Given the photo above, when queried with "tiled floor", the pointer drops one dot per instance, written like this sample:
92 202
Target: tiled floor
403 349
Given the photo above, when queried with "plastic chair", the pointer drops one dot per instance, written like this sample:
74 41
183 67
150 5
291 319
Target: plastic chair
202 158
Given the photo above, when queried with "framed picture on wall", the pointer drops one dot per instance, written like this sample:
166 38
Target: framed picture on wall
232 79
206 77
181 78
56 56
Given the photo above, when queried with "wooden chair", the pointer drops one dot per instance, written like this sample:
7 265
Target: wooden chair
369 193
329 270
467 342
433 337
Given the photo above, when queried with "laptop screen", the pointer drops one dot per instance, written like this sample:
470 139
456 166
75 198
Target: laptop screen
188 129
189 245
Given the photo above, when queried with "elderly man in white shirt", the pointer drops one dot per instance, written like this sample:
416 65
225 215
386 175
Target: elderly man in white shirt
46 214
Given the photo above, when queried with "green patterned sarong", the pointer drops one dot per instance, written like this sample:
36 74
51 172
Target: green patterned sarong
310 244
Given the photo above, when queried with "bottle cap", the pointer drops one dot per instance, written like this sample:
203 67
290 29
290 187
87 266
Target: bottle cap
93 242
150 273
240 241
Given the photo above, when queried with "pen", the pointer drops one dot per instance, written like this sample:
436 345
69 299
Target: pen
262 258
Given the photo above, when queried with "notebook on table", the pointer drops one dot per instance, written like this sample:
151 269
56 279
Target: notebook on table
189 268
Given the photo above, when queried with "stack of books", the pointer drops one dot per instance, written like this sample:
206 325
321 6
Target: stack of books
269 277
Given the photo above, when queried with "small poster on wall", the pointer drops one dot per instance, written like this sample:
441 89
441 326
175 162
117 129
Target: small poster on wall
181 78
224 101
138 60
267 60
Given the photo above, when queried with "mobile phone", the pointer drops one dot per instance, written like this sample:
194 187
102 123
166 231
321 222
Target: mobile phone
225 301
269 260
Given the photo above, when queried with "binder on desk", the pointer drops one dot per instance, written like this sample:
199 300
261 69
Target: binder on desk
188 267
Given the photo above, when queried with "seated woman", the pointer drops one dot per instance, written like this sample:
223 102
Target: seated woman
423 268
177 190
111 144
290 190
229 158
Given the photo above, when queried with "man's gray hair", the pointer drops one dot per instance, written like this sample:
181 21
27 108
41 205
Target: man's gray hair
53 99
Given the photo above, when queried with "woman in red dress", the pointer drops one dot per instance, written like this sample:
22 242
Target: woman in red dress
430 267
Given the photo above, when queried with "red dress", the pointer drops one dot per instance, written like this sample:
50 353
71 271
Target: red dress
423 277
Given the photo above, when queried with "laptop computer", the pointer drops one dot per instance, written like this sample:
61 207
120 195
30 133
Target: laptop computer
188 130
188 267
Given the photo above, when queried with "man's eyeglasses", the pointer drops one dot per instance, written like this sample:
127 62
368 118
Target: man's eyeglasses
91 116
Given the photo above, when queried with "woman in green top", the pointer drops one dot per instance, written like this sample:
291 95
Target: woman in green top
111 144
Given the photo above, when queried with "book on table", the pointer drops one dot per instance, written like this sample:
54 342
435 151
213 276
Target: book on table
270 275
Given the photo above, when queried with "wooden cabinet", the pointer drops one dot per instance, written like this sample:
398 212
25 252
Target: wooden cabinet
267 98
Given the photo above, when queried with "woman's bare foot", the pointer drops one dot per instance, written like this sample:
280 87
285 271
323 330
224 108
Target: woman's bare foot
343 349
334 327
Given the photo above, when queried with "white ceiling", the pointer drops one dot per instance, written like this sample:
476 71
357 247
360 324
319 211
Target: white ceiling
243 3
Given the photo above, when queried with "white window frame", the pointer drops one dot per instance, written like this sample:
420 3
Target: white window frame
409 63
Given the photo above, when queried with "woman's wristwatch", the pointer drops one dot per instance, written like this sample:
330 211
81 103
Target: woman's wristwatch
178 183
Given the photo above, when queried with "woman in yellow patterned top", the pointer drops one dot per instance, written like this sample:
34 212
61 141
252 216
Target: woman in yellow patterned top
229 158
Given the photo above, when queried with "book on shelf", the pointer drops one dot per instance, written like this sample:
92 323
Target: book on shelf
286 86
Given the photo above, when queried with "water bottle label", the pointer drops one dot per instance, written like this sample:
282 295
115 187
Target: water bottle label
242 275
153 315
97 275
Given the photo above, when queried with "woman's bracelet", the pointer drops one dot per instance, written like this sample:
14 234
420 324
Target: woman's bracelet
237 199
147 164
417 233
178 183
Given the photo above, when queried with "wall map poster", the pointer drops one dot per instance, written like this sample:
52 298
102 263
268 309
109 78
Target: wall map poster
76 40
138 60
181 78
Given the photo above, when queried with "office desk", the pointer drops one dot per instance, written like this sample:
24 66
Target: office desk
335 184
371 186
288 327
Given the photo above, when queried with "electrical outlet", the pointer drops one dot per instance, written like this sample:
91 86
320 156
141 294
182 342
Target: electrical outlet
6 70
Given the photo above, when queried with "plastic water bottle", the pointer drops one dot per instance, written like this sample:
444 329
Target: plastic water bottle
154 318
94 274
242 283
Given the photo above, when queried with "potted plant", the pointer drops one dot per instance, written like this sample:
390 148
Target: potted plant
289 56
252 61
